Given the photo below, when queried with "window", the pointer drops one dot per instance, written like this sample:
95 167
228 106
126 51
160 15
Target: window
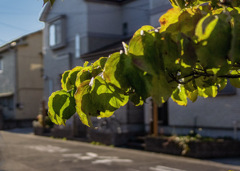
1 65
57 33
77 46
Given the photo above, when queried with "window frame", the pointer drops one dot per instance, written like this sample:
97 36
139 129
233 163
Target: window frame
57 21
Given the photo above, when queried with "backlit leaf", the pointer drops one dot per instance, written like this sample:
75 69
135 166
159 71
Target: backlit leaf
72 76
235 81
179 96
84 102
64 79
61 106
212 31
114 70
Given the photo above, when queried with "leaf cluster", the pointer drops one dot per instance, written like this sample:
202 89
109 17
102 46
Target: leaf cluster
193 53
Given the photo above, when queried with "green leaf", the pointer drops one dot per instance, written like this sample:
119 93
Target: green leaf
64 80
188 55
201 92
141 44
107 98
192 95
211 91
213 32
183 21
61 106
71 79
235 44
235 3
161 89
145 28
97 98
170 52
222 83
190 86
140 81
83 75
114 71
169 18
235 81
145 52
84 103
136 99
204 82
179 96
100 63
173 3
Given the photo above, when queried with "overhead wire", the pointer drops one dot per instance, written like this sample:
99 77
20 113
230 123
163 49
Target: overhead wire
13 27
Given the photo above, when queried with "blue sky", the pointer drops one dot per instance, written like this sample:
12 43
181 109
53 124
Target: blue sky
19 17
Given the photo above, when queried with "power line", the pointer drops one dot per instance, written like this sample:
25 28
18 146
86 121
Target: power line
13 27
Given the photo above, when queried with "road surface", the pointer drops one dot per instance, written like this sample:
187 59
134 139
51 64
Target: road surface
27 152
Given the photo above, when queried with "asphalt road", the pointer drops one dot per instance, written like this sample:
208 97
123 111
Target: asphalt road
27 152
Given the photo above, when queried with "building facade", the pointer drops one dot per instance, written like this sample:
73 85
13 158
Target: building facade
21 81
84 30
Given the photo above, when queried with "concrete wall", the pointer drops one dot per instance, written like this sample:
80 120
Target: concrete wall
219 112
29 76
214 116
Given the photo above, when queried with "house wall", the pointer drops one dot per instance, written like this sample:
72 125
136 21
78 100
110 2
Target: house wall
7 82
136 14
99 24
104 24
7 77
59 60
211 112
215 116
29 76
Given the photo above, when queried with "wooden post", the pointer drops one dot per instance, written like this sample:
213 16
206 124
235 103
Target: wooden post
155 119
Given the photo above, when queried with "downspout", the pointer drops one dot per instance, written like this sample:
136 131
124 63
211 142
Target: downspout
16 93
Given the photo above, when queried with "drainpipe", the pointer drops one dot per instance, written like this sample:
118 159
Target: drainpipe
16 95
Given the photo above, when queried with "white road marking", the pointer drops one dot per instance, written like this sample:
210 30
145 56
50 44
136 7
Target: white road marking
96 159
110 161
79 156
164 168
48 148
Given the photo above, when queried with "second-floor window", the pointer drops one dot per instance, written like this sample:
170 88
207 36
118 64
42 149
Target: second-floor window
1 65
57 33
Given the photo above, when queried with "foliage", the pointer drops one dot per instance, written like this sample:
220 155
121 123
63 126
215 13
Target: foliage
39 122
193 54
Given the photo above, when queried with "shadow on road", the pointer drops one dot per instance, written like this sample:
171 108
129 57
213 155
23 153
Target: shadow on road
21 130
